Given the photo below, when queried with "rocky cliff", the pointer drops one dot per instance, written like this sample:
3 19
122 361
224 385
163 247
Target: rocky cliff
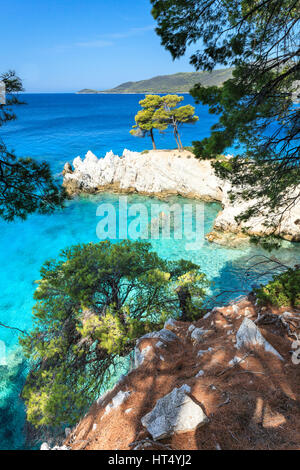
162 173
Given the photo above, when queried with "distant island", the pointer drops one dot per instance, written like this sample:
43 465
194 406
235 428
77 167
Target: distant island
176 83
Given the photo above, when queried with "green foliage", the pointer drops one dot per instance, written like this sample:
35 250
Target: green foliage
170 115
199 153
160 113
92 305
12 375
256 106
25 185
189 148
283 291
13 85
144 122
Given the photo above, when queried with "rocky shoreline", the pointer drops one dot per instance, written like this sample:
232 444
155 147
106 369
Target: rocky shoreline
163 173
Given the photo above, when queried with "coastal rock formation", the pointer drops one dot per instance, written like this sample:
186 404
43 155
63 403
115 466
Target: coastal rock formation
204 395
163 173
288 224
155 173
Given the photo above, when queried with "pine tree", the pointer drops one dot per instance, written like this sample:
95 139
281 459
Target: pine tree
169 115
26 186
92 305
144 118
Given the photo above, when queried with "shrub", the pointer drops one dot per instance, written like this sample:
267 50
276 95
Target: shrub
198 151
283 291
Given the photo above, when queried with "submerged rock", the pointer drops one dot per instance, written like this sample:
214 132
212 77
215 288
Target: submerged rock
174 413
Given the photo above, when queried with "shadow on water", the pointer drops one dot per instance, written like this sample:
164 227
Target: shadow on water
240 276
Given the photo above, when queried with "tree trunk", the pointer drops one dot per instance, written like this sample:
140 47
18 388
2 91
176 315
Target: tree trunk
175 135
152 138
179 140
185 299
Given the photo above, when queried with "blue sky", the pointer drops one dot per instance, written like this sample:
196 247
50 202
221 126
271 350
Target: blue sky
66 45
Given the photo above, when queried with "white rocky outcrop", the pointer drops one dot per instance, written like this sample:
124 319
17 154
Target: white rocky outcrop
45 446
288 225
141 351
152 173
249 336
198 334
117 401
164 335
174 413
163 173
141 354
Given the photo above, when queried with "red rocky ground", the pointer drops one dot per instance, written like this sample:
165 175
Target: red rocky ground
251 405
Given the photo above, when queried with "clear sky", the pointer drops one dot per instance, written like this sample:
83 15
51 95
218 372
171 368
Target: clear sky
67 45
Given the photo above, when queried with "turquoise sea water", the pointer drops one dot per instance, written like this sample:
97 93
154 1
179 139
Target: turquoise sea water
58 128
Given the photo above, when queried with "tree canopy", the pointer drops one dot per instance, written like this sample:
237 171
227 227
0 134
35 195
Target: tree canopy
170 115
160 112
13 85
257 109
26 186
92 305
144 118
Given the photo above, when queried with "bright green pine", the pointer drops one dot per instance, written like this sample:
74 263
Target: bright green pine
282 291
92 305
160 112
144 123
170 115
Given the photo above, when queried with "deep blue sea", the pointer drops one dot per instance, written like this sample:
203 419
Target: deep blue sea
57 128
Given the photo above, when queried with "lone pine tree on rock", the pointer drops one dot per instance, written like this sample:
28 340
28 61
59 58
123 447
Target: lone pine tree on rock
160 112
144 118
169 115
